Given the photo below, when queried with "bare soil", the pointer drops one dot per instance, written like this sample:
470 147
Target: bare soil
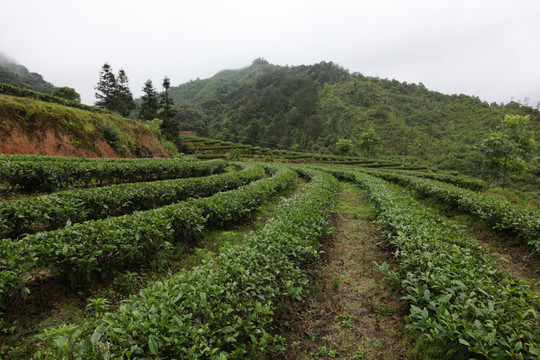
55 141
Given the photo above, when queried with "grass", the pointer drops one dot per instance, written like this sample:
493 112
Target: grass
349 313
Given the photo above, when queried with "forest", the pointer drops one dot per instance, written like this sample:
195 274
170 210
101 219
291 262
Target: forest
310 108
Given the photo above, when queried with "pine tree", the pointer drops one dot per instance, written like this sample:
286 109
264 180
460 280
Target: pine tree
150 104
170 127
113 92
124 97
106 89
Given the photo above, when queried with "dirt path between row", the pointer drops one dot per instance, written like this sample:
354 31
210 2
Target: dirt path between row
352 312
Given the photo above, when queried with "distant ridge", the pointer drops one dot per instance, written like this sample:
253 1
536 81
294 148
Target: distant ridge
308 108
15 74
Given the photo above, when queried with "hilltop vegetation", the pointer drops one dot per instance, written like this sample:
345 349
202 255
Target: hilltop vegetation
310 108
18 75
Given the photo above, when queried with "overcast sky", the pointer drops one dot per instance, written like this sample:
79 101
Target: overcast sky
485 48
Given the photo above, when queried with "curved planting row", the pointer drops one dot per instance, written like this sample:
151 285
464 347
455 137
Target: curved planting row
502 215
53 211
461 181
36 175
222 309
459 300
85 250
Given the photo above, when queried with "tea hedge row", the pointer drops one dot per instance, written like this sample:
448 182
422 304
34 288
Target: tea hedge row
50 158
523 222
459 300
54 175
53 211
87 250
461 181
222 309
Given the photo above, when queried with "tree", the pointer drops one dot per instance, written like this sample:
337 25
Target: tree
344 146
368 140
170 127
106 89
67 93
509 146
150 102
113 92
124 98
166 102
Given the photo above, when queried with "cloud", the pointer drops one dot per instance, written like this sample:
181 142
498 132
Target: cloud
480 47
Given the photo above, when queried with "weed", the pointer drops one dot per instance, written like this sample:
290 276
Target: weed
335 284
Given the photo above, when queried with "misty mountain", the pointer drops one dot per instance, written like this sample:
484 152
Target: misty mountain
18 75
310 107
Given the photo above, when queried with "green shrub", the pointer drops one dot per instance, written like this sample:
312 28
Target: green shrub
112 135
233 155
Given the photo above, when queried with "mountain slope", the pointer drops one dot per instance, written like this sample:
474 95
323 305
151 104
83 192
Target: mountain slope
309 108
18 75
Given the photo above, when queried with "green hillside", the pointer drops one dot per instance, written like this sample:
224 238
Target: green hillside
37 123
18 75
309 108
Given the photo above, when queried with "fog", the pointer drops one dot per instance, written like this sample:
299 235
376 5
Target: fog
483 48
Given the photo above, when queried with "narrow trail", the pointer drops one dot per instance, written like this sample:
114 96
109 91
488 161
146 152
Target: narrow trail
351 312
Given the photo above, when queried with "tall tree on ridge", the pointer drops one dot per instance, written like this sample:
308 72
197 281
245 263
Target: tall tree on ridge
113 92
170 127
150 103
106 89
123 93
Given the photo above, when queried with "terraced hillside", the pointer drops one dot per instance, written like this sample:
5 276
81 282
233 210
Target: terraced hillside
168 258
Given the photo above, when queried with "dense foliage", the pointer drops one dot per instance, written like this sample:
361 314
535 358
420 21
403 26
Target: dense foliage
520 221
88 250
460 304
220 309
53 211
459 180
509 146
50 174
310 108
458 298
67 93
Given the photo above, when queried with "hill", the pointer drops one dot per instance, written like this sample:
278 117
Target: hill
18 75
30 126
309 108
